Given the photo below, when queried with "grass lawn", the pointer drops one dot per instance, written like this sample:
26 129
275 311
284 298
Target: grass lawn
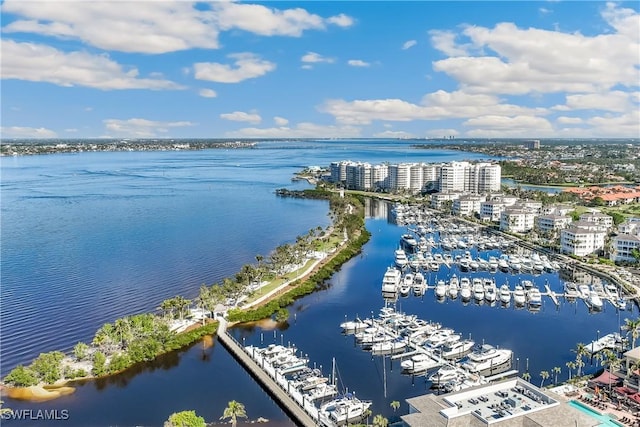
626 210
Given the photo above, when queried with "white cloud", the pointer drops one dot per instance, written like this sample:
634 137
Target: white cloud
302 130
399 134
314 58
445 42
40 63
569 120
341 20
207 93
141 128
625 125
71 130
159 27
358 63
409 44
533 60
246 66
434 106
241 116
491 126
26 132
544 11
280 121
617 101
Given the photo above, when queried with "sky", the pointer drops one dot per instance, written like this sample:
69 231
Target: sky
320 69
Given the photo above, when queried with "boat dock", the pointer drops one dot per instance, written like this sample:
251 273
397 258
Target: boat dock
305 415
551 294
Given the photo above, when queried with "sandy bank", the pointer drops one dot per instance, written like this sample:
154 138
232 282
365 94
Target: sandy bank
37 393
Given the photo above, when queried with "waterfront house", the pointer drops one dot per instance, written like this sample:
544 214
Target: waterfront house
551 223
517 220
598 218
582 239
467 205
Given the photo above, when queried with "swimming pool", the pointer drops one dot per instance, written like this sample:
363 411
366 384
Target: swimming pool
605 420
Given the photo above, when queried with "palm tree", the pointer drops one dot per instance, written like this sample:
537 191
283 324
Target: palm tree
544 375
380 421
526 376
556 371
234 410
633 327
580 351
395 405
570 367
122 329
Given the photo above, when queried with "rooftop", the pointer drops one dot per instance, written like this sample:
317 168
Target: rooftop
512 402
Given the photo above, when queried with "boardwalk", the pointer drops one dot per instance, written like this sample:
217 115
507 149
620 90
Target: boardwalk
298 415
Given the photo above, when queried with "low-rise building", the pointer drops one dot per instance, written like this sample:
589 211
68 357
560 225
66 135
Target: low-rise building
508 403
517 220
491 210
581 240
556 210
437 199
623 247
467 205
598 218
551 223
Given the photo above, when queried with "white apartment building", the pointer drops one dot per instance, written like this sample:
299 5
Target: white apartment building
452 176
399 176
551 223
438 198
380 176
530 205
630 226
467 205
556 210
487 177
623 246
491 211
339 170
581 241
517 220
598 218
416 177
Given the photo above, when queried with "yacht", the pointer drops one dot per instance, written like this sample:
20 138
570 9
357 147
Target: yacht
391 280
454 287
352 326
419 284
389 346
465 289
441 289
309 383
490 291
534 298
493 264
486 358
401 259
519 296
571 291
584 290
505 294
444 374
408 243
594 300
457 349
322 391
344 410
503 264
514 263
478 289
418 363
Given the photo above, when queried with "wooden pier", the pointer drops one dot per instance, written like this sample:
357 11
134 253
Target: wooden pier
297 414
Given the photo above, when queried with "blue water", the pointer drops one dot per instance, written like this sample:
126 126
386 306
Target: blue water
89 237
604 420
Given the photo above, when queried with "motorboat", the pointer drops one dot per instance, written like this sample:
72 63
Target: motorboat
519 297
444 374
454 287
408 242
493 264
352 326
534 298
457 350
505 294
478 289
486 358
441 289
419 284
490 291
465 289
594 300
389 346
391 280
345 409
321 391
418 363
309 383
571 291
401 259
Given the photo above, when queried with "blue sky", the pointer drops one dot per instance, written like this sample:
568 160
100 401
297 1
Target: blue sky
75 69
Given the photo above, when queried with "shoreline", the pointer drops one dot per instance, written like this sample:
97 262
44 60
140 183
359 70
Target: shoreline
42 392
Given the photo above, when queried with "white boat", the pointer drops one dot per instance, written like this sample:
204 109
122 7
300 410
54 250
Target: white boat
534 298
391 280
408 243
527 284
519 297
310 383
584 290
356 325
293 365
505 294
474 265
493 263
454 287
571 291
490 290
401 259
486 358
478 289
458 349
419 284
503 264
444 374
344 410
418 363
594 300
465 289
322 391
441 337
441 289
612 292
389 346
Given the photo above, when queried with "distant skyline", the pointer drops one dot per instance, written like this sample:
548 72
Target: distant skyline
327 69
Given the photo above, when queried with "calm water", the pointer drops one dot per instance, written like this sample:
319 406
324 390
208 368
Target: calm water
87 238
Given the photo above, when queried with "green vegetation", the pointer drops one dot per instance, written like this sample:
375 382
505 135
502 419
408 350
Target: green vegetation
233 411
185 419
